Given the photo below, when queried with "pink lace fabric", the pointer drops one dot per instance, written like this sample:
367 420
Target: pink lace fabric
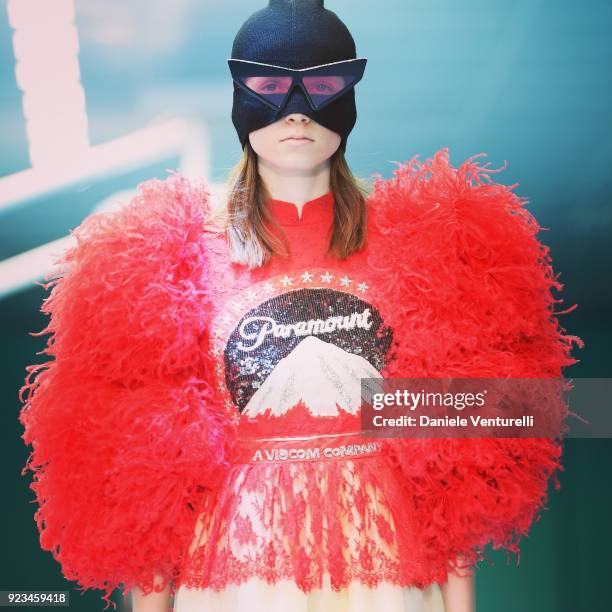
332 516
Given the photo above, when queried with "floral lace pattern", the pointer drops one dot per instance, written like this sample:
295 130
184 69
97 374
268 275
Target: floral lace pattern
300 520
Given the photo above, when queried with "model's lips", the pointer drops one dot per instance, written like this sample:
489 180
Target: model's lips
297 138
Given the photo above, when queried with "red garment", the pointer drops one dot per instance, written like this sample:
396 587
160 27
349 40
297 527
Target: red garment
292 340
167 358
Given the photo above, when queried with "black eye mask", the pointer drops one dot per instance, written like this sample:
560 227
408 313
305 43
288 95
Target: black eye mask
298 35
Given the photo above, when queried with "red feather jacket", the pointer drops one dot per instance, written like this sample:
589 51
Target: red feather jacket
134 421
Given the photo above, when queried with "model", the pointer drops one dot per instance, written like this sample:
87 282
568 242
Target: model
197 428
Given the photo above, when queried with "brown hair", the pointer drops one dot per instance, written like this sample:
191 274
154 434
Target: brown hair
245 215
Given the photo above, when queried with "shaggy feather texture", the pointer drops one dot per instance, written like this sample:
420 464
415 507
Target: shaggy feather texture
469 289
125 427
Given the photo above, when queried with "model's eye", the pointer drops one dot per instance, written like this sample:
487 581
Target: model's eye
324 86
268 85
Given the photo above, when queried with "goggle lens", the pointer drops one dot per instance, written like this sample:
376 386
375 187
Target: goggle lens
324 87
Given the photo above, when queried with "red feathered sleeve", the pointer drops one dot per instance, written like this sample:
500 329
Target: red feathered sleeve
126 431
470 292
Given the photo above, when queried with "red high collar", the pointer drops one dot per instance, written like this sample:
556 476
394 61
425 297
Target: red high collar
320 210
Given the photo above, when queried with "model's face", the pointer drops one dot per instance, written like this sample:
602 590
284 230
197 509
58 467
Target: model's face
294 142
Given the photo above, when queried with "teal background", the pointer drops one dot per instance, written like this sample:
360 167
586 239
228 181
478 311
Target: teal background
528 82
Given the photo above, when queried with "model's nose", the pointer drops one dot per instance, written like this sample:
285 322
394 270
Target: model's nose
297 118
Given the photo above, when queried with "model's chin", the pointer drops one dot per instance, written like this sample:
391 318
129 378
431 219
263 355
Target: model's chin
297 160
310 151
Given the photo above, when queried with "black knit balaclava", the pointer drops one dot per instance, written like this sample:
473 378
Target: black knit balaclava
293 34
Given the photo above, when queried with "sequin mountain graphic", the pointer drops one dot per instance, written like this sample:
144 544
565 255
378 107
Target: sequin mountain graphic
321 375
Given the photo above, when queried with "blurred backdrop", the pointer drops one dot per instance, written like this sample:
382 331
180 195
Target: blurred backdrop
98 95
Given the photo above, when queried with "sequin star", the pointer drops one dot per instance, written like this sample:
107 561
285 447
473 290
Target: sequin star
362 287
327 277
286 280
237 306
251 295
345 281
307 277
269 287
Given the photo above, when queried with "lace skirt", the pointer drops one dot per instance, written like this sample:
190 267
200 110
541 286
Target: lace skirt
315 523
256 595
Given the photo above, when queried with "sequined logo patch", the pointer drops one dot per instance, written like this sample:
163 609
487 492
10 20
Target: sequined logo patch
310 344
